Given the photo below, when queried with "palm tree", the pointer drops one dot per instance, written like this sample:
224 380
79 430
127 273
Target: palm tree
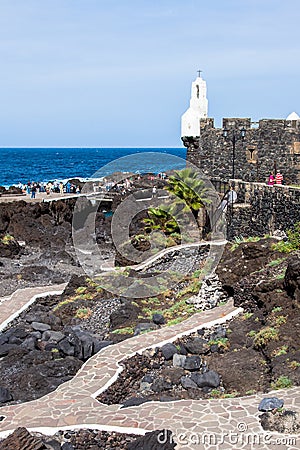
161 219
190 189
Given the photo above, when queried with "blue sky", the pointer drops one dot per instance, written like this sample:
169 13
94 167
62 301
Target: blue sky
118 72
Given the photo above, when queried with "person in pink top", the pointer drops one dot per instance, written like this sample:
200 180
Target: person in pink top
271 179
279 178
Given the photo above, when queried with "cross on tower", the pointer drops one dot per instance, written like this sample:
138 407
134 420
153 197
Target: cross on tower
199 73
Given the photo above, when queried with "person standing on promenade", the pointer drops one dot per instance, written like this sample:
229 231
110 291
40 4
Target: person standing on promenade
61 187
33 191
271 180
279 177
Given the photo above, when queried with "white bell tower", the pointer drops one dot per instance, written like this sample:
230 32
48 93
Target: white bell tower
190 120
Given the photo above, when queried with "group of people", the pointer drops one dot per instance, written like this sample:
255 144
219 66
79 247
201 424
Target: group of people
32 187
277 179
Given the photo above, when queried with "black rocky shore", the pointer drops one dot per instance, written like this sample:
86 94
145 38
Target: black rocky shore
48 343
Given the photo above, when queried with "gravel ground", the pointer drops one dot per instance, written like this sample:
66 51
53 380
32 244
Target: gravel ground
99 320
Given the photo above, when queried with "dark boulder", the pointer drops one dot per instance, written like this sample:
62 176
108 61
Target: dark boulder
134 401
6 348
126 314
195 346
192 363
188 383
270 403
158 319
292 278
5 395
154 440
168 350
21 439
142 327
207 379
160 385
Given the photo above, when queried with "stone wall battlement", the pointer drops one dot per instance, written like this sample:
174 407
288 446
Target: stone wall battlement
269 145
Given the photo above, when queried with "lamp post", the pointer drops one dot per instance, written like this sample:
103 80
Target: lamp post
233 136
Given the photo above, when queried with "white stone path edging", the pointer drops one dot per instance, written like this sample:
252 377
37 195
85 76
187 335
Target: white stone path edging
164 252
12 306
73 405
158 343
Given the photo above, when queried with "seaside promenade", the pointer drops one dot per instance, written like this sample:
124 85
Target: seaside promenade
231 423
43 197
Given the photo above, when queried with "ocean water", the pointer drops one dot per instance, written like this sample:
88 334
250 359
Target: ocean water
49 164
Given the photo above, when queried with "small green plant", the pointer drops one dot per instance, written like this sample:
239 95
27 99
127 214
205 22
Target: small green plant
196 274
7 239
222 303
280 276
252 333
83 313
280 320
90 282
282 382
215 393
54 350
280 351
81 290
277 309
293 242
221 342
231 394
264 336
125 330
251 392
247 315
294 365
276 262
175 321
63 303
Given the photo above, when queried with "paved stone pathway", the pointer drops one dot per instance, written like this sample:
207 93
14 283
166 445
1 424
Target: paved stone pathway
196 424
11 306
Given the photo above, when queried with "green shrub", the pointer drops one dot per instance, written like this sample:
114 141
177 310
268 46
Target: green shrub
293 242
125 330
7 239
83 313
282 382
280 351
276 262
221 342
264 336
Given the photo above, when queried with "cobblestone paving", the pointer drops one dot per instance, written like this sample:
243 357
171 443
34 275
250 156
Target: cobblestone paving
196 424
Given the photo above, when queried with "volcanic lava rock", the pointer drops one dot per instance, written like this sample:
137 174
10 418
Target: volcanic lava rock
5 395
292 278
207 379
168 350
154 440
268 404
21 439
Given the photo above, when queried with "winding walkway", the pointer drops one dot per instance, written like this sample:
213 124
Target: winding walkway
196 424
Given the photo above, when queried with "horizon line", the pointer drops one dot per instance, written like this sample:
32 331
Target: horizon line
70 146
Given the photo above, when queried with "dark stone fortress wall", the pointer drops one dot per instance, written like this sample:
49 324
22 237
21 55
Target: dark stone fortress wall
262 209
269 145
